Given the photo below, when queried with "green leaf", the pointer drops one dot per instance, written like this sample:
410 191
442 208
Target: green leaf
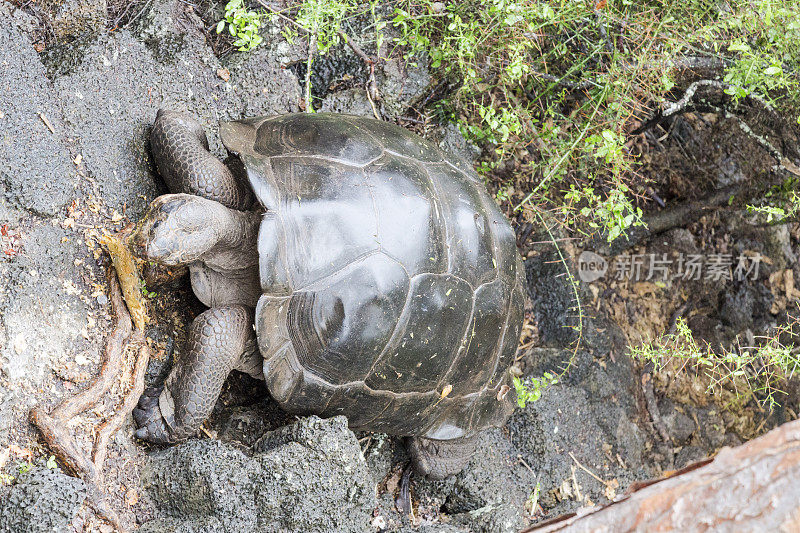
739 47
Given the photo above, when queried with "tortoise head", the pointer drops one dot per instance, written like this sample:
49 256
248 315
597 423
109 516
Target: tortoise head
178 229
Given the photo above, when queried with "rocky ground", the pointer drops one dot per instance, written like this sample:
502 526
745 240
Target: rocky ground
77 97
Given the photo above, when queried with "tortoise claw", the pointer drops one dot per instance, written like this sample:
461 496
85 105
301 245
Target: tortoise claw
149 419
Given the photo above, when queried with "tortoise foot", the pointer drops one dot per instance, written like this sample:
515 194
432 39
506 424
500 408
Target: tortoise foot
153 427
438 459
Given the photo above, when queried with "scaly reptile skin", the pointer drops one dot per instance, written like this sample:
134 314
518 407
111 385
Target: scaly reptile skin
218 339
180 150
438 459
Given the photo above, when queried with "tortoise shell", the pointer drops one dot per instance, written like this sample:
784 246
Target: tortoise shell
392 286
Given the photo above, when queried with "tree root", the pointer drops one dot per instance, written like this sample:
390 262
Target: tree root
109 428
53 425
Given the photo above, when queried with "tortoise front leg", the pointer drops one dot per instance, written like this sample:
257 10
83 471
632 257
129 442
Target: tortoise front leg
219 339
180 149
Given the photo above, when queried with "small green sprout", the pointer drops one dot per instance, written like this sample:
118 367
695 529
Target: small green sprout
531 389
243 25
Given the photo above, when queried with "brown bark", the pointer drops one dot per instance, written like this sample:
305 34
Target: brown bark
753 487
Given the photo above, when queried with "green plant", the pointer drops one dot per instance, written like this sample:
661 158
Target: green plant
753 372
763 43
557 85
530 389
614 214
323 19
148 293
780 204
243 24
532 503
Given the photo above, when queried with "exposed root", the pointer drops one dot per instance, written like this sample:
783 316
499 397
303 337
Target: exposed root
112 358
129 278
61 443
112 425
53 425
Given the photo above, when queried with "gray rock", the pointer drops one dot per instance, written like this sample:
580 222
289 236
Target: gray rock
551 295
489 495
117 83
688 455
436 528
589 416
455 143
71 18
43 315
737 308
309 476
204 524
259 84
35 169
110 100
400 85
24 21
349 101
382 454
159 20
42 500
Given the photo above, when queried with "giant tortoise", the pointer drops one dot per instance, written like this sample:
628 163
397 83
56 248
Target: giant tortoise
349 263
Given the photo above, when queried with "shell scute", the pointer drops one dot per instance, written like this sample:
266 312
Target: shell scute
389 276
429 332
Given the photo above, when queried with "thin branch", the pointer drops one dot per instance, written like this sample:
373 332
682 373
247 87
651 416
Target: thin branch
784 163
312 46
689 102
355 48
688 97
372 86
280 15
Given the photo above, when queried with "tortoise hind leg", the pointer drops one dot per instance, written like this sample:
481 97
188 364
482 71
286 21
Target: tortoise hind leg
180 150
438 459
220 339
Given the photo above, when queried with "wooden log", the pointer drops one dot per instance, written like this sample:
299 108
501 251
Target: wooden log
753 487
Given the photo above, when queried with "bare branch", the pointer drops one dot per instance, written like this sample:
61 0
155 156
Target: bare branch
688 97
